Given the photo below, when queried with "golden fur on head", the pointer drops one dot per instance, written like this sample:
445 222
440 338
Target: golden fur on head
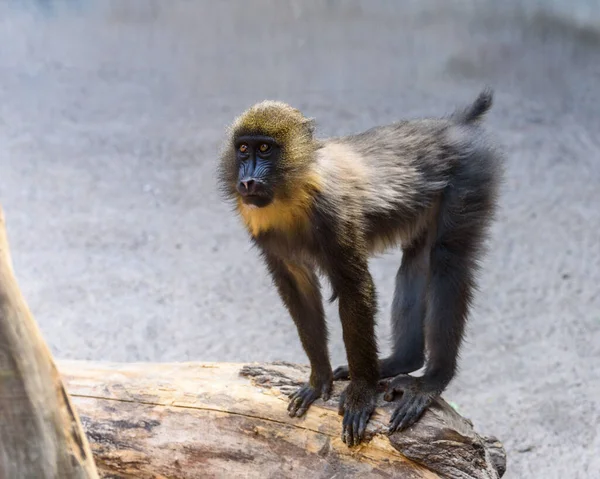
285 124
296 181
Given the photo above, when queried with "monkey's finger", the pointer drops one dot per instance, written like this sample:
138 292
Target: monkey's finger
293 399
309 398
409 419
356 429
413 413
394 423
302 411
398 408
389 395
392 428
398 414
342 403
362 426
293 395
410 415
297 393
294 405
348 419
395 415
347 428
303 407
326 393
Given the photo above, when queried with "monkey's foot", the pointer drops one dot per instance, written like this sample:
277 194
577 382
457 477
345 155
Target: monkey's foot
341 372
388 367
357 403
306 395
417 396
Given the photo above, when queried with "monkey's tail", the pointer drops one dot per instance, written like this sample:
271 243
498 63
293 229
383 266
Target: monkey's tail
477 109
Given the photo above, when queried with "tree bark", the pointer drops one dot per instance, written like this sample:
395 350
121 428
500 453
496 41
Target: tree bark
223 420
40 434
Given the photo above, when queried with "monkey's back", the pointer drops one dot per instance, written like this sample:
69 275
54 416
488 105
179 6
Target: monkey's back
388 178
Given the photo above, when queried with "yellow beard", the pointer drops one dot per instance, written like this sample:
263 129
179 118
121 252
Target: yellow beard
283 215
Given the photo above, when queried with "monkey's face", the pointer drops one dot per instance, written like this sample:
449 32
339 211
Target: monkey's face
257 159
267 155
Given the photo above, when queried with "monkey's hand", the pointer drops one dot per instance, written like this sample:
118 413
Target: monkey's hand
417 396
357 403
307 394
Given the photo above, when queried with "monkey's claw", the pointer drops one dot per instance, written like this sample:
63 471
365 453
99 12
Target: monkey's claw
357 403
416 398
305 396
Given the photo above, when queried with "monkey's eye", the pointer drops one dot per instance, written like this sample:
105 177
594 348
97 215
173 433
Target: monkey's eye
243 148
264 148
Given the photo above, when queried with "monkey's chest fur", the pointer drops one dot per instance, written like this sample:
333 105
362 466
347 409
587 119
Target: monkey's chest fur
334 228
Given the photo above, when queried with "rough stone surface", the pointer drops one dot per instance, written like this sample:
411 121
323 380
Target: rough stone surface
111 114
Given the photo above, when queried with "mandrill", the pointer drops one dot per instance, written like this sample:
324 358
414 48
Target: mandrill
324 206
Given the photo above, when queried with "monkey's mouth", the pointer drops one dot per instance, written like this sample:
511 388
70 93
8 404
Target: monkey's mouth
257 200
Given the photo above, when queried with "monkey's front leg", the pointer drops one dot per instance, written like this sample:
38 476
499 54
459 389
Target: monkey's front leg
357 312
300 291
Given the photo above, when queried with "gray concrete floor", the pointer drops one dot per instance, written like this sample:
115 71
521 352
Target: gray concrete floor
111 115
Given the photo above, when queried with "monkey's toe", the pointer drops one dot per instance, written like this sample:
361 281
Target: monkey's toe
354 425
413 403
408 412
305 396
356 405
341 372
399 384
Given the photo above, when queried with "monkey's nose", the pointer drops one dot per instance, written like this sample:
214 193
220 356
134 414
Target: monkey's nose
246 186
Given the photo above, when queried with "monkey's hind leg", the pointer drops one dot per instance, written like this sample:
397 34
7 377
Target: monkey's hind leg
408 312
462 224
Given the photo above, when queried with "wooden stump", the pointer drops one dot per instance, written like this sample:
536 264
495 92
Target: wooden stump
40 434
205 420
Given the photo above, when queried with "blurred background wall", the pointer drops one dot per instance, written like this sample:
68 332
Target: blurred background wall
111 117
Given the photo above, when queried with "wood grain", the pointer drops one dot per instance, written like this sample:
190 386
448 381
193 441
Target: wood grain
40 434
213 420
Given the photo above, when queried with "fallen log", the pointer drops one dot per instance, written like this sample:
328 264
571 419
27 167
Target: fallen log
205 420
198 420
40 434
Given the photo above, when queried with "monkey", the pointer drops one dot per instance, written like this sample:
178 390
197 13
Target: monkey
323 206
